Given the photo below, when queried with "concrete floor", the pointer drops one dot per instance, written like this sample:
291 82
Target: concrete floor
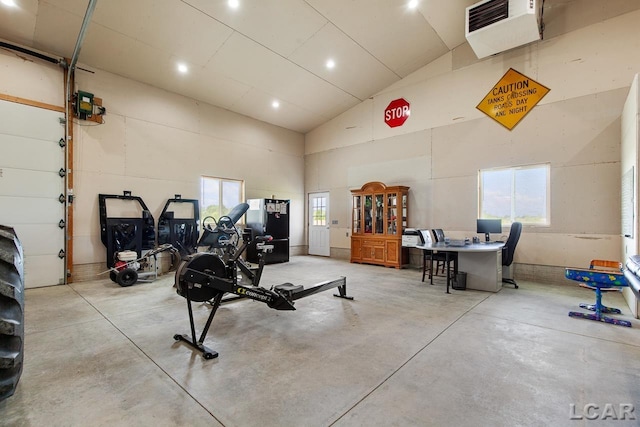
403 353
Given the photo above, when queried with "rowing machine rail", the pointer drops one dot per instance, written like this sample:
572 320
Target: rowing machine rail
207 276
280 298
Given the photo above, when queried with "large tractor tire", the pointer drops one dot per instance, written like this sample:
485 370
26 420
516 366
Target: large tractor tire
11 311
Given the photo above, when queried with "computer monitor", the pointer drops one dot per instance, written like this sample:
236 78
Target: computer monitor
487 226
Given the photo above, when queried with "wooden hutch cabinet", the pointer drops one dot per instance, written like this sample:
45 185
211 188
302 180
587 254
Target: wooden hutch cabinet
378 217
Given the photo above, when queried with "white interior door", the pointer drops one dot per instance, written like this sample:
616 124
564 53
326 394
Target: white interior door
30 185
319 224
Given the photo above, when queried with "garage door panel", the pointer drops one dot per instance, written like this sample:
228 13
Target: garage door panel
30 186
25 183
43 270
27 121
24 210
40 239
19 153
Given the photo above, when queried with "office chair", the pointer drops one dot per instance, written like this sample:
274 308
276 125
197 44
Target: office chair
429 256
426 255
440 258
438 234
509 249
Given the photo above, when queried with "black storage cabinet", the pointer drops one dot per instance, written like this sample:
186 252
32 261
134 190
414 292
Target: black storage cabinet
269 217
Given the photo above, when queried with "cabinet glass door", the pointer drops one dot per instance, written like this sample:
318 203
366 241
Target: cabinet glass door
368 214
404 211
392 213
379 213
357 221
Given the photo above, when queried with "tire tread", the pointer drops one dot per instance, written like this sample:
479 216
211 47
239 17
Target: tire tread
11 311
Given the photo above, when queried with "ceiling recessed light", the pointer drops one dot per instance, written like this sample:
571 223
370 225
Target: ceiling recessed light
331 63
183 68
9 3
412 4
233 4
275 104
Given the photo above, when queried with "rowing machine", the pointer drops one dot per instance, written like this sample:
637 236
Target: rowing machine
207 276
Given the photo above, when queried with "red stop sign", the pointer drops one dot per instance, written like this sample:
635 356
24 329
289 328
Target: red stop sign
397 112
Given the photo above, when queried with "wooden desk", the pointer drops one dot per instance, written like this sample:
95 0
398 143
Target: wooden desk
481 261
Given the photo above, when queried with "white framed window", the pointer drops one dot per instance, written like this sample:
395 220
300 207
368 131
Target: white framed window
219 195
319 211
513 194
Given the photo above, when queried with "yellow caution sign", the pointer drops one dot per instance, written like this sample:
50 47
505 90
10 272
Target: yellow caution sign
512 98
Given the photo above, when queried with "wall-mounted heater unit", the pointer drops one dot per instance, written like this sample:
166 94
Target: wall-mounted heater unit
493 26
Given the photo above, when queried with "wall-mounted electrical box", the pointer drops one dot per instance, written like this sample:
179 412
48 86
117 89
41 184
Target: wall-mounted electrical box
84 105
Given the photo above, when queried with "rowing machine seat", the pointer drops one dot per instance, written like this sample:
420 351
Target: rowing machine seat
288 289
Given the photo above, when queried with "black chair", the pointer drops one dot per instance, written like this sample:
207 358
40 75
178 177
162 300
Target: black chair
441 259
428 256
509 249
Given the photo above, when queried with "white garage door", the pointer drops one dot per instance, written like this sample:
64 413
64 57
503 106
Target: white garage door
30 187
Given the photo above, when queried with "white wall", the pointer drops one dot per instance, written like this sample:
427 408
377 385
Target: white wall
30 78
439 149
158 144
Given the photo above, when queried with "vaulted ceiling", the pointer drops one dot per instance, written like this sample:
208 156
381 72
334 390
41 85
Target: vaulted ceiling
245 58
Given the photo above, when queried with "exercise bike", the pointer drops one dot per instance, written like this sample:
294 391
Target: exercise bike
207 276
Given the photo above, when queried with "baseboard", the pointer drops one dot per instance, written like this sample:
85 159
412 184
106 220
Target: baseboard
531 272
341 253
550 274
85 272
298 250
